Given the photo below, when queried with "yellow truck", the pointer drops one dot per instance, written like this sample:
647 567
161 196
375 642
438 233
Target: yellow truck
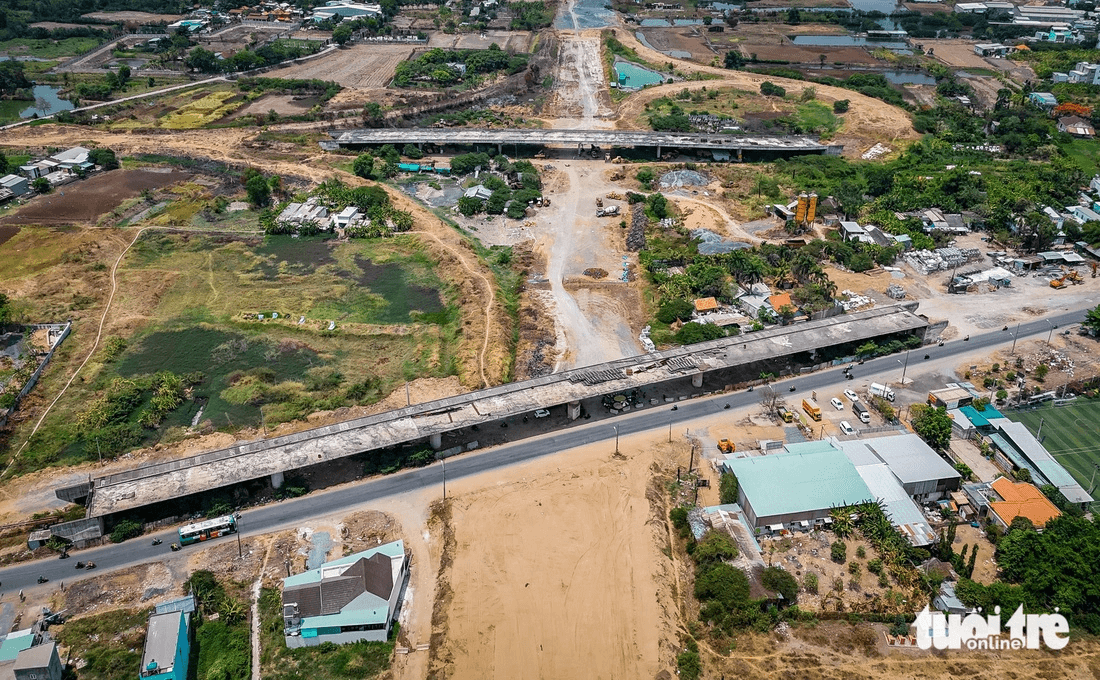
786 414
812 409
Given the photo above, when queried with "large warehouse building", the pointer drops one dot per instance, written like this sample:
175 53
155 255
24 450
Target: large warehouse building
796 489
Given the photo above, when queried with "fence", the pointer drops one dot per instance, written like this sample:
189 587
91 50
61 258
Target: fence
34 377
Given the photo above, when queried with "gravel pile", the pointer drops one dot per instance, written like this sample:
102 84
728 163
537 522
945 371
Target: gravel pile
635 238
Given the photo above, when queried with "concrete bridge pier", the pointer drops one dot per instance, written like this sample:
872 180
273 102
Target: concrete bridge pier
658 152
436 440
573 408
276 480
738 154
500 148
697 380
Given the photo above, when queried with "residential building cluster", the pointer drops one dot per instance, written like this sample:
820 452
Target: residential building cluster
60 168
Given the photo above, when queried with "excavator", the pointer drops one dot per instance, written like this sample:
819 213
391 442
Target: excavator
726 446
1058 283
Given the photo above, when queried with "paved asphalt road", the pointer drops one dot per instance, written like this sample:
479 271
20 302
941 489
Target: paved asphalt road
289 513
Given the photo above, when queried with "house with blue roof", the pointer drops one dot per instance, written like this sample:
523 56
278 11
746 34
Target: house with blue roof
352 599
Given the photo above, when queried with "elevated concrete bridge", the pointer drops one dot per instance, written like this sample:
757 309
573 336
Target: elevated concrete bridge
716 364
735 145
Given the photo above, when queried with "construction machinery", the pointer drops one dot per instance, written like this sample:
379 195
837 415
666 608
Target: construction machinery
1093 266
615 196
1059 282
609 211
786 414
1074 277
599 202
726 446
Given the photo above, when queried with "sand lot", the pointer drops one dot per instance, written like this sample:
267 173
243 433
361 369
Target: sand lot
134 17
556 573
358 66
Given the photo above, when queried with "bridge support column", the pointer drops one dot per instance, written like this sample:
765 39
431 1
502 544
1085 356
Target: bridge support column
697 380
436 440
738 154
500 148
420 145
658 152
573 409
276 480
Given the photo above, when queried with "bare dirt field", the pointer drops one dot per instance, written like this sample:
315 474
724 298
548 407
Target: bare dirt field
958 53
683 38
282 104
51 25
809 54
558 572
515 41
358 66
86 200
134 17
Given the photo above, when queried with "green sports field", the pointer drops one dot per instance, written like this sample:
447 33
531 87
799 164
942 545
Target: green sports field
1071 434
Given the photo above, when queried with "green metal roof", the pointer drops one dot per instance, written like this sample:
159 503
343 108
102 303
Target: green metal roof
15 643
810 476
980 418
365 609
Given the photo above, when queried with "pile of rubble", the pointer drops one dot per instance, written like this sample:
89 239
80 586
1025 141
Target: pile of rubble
596 273
855 301
928 261
635 237
876 151
895 291
647 344
1054 359
683 178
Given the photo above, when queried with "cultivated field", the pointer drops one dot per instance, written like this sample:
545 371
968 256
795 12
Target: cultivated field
87 200
1070 433
358 66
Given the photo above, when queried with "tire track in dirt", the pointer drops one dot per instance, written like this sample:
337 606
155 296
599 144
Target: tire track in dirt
91 352
488 305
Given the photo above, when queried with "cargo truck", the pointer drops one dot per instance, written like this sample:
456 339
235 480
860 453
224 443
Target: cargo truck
786 414
883 391
861 412
812 409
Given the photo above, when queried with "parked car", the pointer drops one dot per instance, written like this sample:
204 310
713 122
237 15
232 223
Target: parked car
837 404
846 428
542 413
852 396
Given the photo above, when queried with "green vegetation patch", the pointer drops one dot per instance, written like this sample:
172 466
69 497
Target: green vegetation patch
224 650
436 68
46 48
110 644
356 661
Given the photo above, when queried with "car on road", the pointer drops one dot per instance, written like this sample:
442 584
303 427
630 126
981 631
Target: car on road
542 413
852 396
837 404
846 428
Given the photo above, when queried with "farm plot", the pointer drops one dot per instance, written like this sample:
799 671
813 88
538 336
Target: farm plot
87 200
360 66
509 41
1069 433
133 17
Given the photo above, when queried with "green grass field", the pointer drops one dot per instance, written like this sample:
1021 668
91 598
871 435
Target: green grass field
1071 434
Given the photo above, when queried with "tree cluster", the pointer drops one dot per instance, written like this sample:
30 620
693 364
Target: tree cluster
441 67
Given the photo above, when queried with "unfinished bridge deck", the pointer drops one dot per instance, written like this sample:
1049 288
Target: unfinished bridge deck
156 482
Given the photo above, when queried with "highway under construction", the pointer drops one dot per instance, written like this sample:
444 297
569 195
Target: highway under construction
735 146
452 425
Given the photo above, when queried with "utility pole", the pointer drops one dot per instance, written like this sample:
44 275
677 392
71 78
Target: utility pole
97 450
262 419
1040 430
443 459
1014 336
408 399
691 461
670 431
1092 482
904 367
240 550
616 438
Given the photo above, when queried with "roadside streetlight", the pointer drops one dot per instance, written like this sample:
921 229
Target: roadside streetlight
904 366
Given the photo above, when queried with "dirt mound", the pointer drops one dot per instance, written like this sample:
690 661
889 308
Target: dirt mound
595 272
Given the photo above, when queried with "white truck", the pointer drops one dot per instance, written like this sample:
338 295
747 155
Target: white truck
883 391
609 211
861 412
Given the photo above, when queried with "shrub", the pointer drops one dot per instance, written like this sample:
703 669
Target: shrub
691 333
780 581
860 552
809 582
839 552
715 546
688 665
770 89
875 566
412 151
126 529
854 569
840 106
674 310
728 487
645 177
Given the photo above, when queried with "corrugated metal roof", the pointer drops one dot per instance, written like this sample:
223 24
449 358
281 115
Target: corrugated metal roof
900 508
909 458
16 642
161 640
1038 460
792 482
